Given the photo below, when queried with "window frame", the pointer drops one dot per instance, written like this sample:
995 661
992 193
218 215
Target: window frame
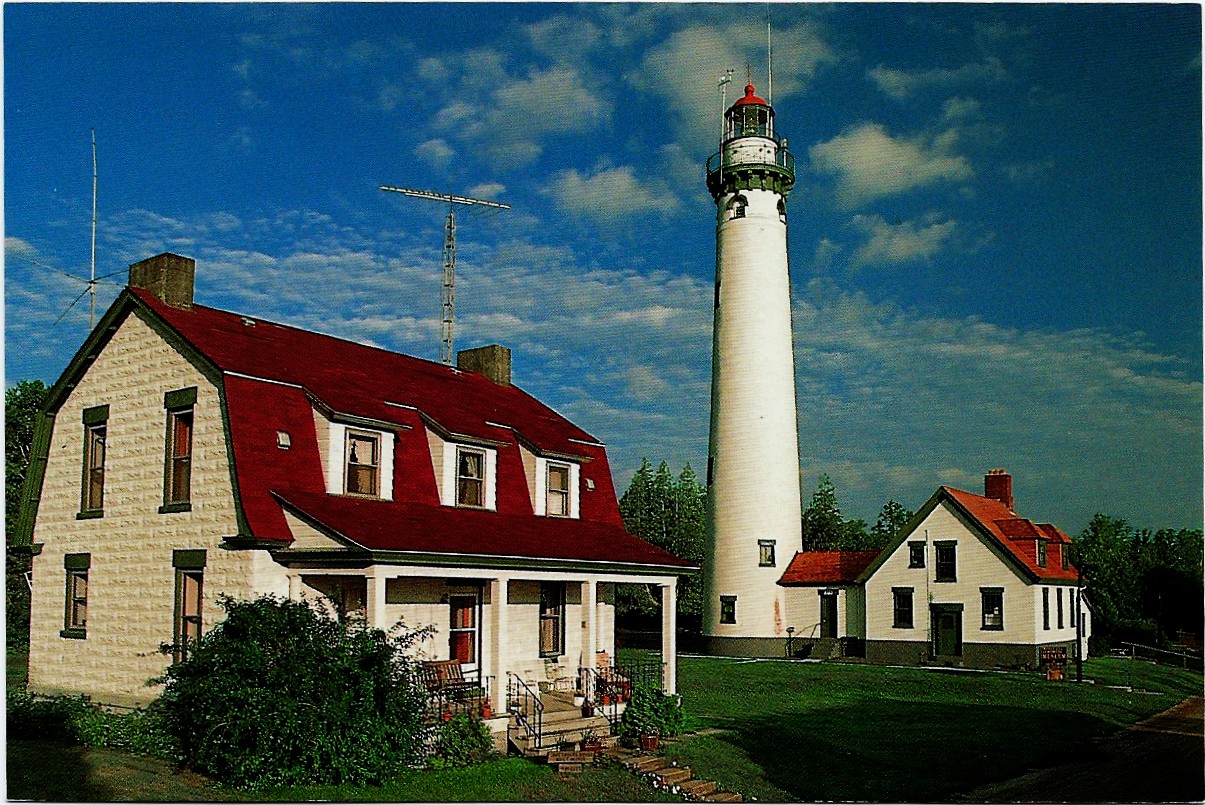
187 565
1046 609
899 595
76 567
913 560
458 479
728 609
96 442
549 491
998 594
764 558
1040 548
552 610
939 564
373 437
1058 599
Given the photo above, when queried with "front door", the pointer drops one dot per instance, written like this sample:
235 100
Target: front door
464 633
828 613
947 632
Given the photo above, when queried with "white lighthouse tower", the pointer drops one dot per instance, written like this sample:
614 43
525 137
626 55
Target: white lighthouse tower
753 463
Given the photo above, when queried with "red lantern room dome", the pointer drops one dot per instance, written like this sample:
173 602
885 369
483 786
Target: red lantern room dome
750 97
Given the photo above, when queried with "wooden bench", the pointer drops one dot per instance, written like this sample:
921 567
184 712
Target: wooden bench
445 675
450 692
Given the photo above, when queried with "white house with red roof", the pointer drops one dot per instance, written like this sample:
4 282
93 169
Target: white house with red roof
967 582
189 452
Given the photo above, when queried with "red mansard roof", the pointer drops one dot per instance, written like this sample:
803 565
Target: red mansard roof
1017 535
273 378
826 567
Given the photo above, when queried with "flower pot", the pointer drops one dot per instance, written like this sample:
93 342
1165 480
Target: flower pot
578 701
592 746
649 743
486 712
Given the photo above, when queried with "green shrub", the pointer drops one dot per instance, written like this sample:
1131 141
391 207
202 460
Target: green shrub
73 719
651 712
279 693
463 741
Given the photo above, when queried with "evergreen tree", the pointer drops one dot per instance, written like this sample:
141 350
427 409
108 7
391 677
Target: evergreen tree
823 525
22 406
892 519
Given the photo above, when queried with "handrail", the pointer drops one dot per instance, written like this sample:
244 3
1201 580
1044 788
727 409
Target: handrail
522 701
1184 658
783 159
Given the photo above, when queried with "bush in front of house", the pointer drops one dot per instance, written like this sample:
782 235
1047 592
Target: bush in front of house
464 740
73 719
280 693
651 712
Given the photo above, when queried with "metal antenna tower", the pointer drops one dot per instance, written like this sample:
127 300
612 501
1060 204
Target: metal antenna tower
448 292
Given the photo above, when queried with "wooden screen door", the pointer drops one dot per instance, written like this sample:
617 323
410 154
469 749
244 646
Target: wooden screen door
828 613
464 634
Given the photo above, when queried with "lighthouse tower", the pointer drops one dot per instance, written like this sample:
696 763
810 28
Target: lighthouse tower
753 463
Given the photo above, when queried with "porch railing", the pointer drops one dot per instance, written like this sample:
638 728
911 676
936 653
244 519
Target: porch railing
527 711
472 697
610 686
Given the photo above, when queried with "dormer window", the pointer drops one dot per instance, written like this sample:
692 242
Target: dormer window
470 477
558 490
363 473
1041 553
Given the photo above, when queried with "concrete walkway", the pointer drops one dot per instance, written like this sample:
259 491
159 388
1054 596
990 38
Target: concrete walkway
1161 759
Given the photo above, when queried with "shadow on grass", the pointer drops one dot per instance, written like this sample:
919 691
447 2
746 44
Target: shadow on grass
888 751
53 772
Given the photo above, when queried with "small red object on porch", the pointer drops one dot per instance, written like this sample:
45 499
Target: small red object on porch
649 743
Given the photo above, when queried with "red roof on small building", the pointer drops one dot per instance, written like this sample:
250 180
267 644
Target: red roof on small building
1017 535
826 567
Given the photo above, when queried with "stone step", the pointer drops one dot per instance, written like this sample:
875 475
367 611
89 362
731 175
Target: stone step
569 768
646 763
671 775
724 796
699 788
557 757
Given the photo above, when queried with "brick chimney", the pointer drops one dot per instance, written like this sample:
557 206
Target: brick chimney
168 276
493 361
998 485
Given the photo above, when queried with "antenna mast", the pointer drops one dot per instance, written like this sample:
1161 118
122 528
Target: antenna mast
769 61
92 281
447 296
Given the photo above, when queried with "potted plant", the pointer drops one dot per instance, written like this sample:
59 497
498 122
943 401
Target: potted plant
591 741
649 716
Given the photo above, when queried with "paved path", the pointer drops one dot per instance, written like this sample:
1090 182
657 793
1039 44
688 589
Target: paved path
1161 759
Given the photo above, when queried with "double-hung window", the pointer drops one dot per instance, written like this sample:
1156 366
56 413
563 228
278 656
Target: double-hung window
558 490
96 429
1059 605
1045 607
363 469
946 561
552 619
901 607
727 609
190 583
993 607
177 472
75 617
916 554
1041 553
470 477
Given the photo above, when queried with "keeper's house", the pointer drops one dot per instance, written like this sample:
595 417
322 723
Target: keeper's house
968 582
189 452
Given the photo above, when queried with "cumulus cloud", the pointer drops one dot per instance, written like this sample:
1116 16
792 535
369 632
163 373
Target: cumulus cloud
608 195
435 152
899 242
902 84
869 163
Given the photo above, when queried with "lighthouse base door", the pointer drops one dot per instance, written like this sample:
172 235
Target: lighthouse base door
947 630
828 613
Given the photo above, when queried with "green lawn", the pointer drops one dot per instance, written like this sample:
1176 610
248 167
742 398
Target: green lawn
809 731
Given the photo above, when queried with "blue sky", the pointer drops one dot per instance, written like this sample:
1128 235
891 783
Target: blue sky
995 234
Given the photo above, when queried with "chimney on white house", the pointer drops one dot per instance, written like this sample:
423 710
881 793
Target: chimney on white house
168 276
998 485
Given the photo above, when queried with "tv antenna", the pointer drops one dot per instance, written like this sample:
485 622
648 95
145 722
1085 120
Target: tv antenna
447 295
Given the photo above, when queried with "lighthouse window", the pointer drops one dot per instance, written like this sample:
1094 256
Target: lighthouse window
737 207
727 609
782 211
765 549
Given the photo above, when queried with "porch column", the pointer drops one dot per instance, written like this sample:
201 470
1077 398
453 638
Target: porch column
497 663
589 623
669 635
295 586
375 603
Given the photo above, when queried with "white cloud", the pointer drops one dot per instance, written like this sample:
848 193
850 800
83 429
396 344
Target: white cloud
869 163
609 195
435 152
900 84
899 242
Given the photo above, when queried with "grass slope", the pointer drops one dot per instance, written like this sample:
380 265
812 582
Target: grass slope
796 731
